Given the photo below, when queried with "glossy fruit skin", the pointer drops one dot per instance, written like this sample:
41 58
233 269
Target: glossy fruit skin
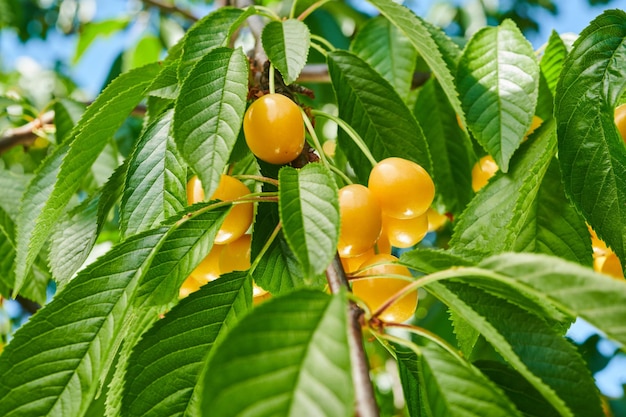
353 263
209 268
374 292
361 220
189 285
405 233
274 129
239 219
236 255
436 220
482 171
403 188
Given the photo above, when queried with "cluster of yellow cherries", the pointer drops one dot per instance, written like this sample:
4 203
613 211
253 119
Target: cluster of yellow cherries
391 211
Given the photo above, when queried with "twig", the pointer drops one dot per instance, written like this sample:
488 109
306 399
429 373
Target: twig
170 8
365 400
24 135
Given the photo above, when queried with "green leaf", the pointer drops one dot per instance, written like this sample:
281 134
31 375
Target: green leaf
438 376
7 253
66 114
388 51
287 46
494 219
76 232
520 392
166 85
289 358
432 260
55 362
552 60
278 271
498 79
155 186
61 173
547 360
427 42
574 289
209 113
166 364
145 51
553 226
369 104
13 186
591 150
89 32
210 32
309 212
188 245
450 148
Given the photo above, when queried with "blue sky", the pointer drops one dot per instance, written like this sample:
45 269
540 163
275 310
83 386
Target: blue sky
92 69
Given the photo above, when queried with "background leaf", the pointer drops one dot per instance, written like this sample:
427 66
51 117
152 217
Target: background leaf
59 177
547 360
591 150
388 51
435 372
552 60
209 113
450 148
165 365
155 186
286 43
210 32
497 78
369 104
309 212
67 345
422 36
289 358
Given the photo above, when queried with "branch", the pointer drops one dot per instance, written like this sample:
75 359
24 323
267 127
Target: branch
365 399
170 8
24 135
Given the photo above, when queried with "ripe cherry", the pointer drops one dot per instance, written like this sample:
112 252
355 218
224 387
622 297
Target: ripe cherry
236 255
239 219
376 291
404 233
482 171
403 188
609 264
274 129
361 220
209 268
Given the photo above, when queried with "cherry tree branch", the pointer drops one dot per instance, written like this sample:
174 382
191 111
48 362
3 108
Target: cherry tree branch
170 8
364 391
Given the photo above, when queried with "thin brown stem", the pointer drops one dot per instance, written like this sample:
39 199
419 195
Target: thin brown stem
170 8
365 400
24 135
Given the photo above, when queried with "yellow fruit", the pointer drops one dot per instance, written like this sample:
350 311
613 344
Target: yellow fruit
376 291
483 170
620 120
403 188
404 233
609 264
236 255
361 220
189 285
209 268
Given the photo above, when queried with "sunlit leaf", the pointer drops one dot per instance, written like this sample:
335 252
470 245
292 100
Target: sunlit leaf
287 46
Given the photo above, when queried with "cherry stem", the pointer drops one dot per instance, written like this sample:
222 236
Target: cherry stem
420 331
292 12
272 80
323 41
358 141
319 49
257 178
310 9
267 12
266 247
313 134
437 276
